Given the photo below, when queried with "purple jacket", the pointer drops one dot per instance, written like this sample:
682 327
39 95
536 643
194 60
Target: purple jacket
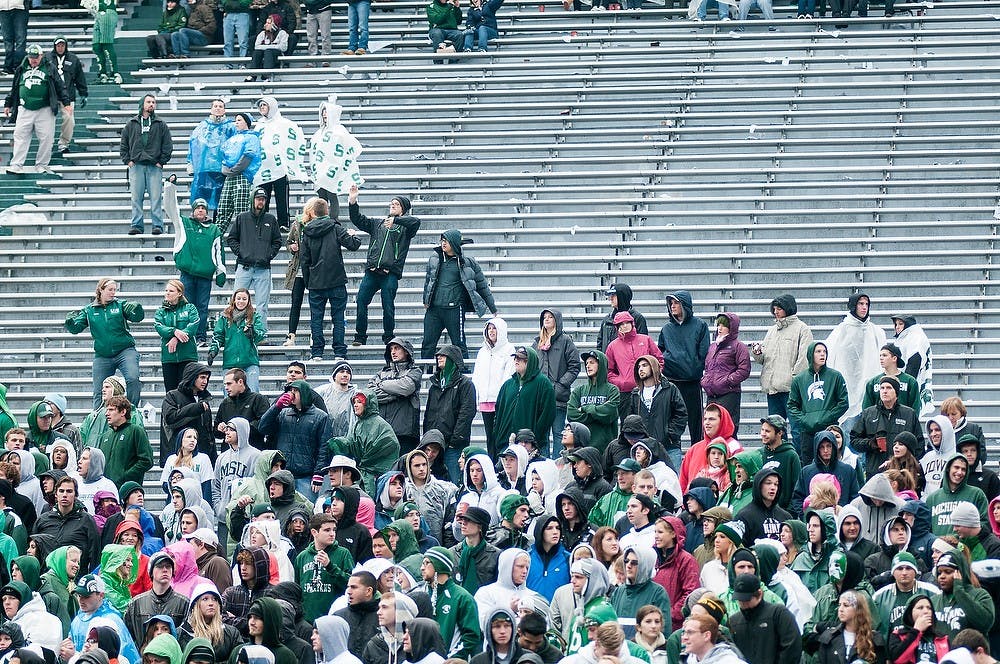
728 362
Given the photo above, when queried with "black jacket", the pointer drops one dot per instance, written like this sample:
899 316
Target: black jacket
319 253
74 80
450 409
387 247
766 634
76 528
182 410
352 535
254 239
608 332
879 420
158 147
57 89
363 621
833 650
762 521
251 406
594 486
666 418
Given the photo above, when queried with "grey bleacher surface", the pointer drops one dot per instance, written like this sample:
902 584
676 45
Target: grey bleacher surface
586 148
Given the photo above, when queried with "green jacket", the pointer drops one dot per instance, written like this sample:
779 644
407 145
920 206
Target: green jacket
7 419
965 607
322 585
127 452
165 646
172 21
458 615
789 467
371 442
239 350
944 500
816 399
909 392
628 598
113 557
443 15
595 404
108 325
525 403
814 570
54 589
736 497
609 508
198 250
170 318
890 603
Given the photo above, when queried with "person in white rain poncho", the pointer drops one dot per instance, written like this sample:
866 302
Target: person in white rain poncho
853 348
284 148
333 155
916 347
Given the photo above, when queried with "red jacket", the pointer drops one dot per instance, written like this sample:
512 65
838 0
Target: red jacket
696 457
678 574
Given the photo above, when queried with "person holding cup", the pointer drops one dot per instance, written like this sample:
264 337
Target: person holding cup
881 423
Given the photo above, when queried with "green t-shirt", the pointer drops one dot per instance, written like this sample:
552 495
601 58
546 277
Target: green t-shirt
34 89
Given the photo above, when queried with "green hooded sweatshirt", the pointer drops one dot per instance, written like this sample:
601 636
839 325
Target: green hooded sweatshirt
37 437
371 442
31 571
113 557
813 569
595 403
270 612
197 642
965 607
7 419
407 554
321 585
789 465
256 487
8 545
944 500
168 319
526 403
55 589
738 496
816 399
165 646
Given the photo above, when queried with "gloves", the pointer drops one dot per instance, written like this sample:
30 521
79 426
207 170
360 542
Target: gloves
83 102
220 279
211 357
248 331
284 400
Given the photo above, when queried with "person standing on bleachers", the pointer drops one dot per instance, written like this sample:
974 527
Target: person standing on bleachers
241 158
684 341
14 27
853 349
198 31
105 26
35 94
68 66
255 240
204 158
145 147
620 297
198 258
235 27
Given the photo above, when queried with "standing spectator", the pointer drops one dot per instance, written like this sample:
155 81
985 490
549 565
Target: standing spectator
782 355
624 352
371 442
125 445
198 257
481 24
454 283
357 27
853 348
775 451
762 631
324 275
235 465
397 390
69 524
684 342
660 405
14 29
145 147
189 406
451 406
204 156
293 274
433 497
596 402
444 17
494 364
319 16
237 332
727 365
874 433
105 25
620 297
241 157
160 44
388 244
916 349
300 431
199 30
817 398
235 28
68 66
176 321
526 400
271 42
560 363
254 239
243 402
890 358
114 347
36 92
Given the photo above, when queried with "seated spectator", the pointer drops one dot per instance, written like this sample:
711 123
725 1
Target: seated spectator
444 17
174 18
827 461
920 636
905 452
198 31
271 42
481 24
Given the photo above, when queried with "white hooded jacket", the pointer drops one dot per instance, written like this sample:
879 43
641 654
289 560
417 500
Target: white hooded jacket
499 595
934 460
494 364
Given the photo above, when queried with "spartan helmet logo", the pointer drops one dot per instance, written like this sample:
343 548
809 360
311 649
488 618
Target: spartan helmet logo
816 391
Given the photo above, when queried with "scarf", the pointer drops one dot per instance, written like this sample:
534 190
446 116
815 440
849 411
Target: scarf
466 571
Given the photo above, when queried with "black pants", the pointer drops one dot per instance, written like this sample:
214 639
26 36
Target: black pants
436 321
280 190
691 393
731 402
298 292
172 372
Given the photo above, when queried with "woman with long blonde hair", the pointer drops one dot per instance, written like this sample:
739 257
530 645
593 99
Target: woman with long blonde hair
204 621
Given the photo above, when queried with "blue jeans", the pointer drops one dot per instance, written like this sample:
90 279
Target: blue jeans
777 404
198 292
127 363
185 38
451 455
676 458
558 423
807 7
143 179
235 27
387 284
357 24
337 297
258 281
483 34
14 28
253 377
721 8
